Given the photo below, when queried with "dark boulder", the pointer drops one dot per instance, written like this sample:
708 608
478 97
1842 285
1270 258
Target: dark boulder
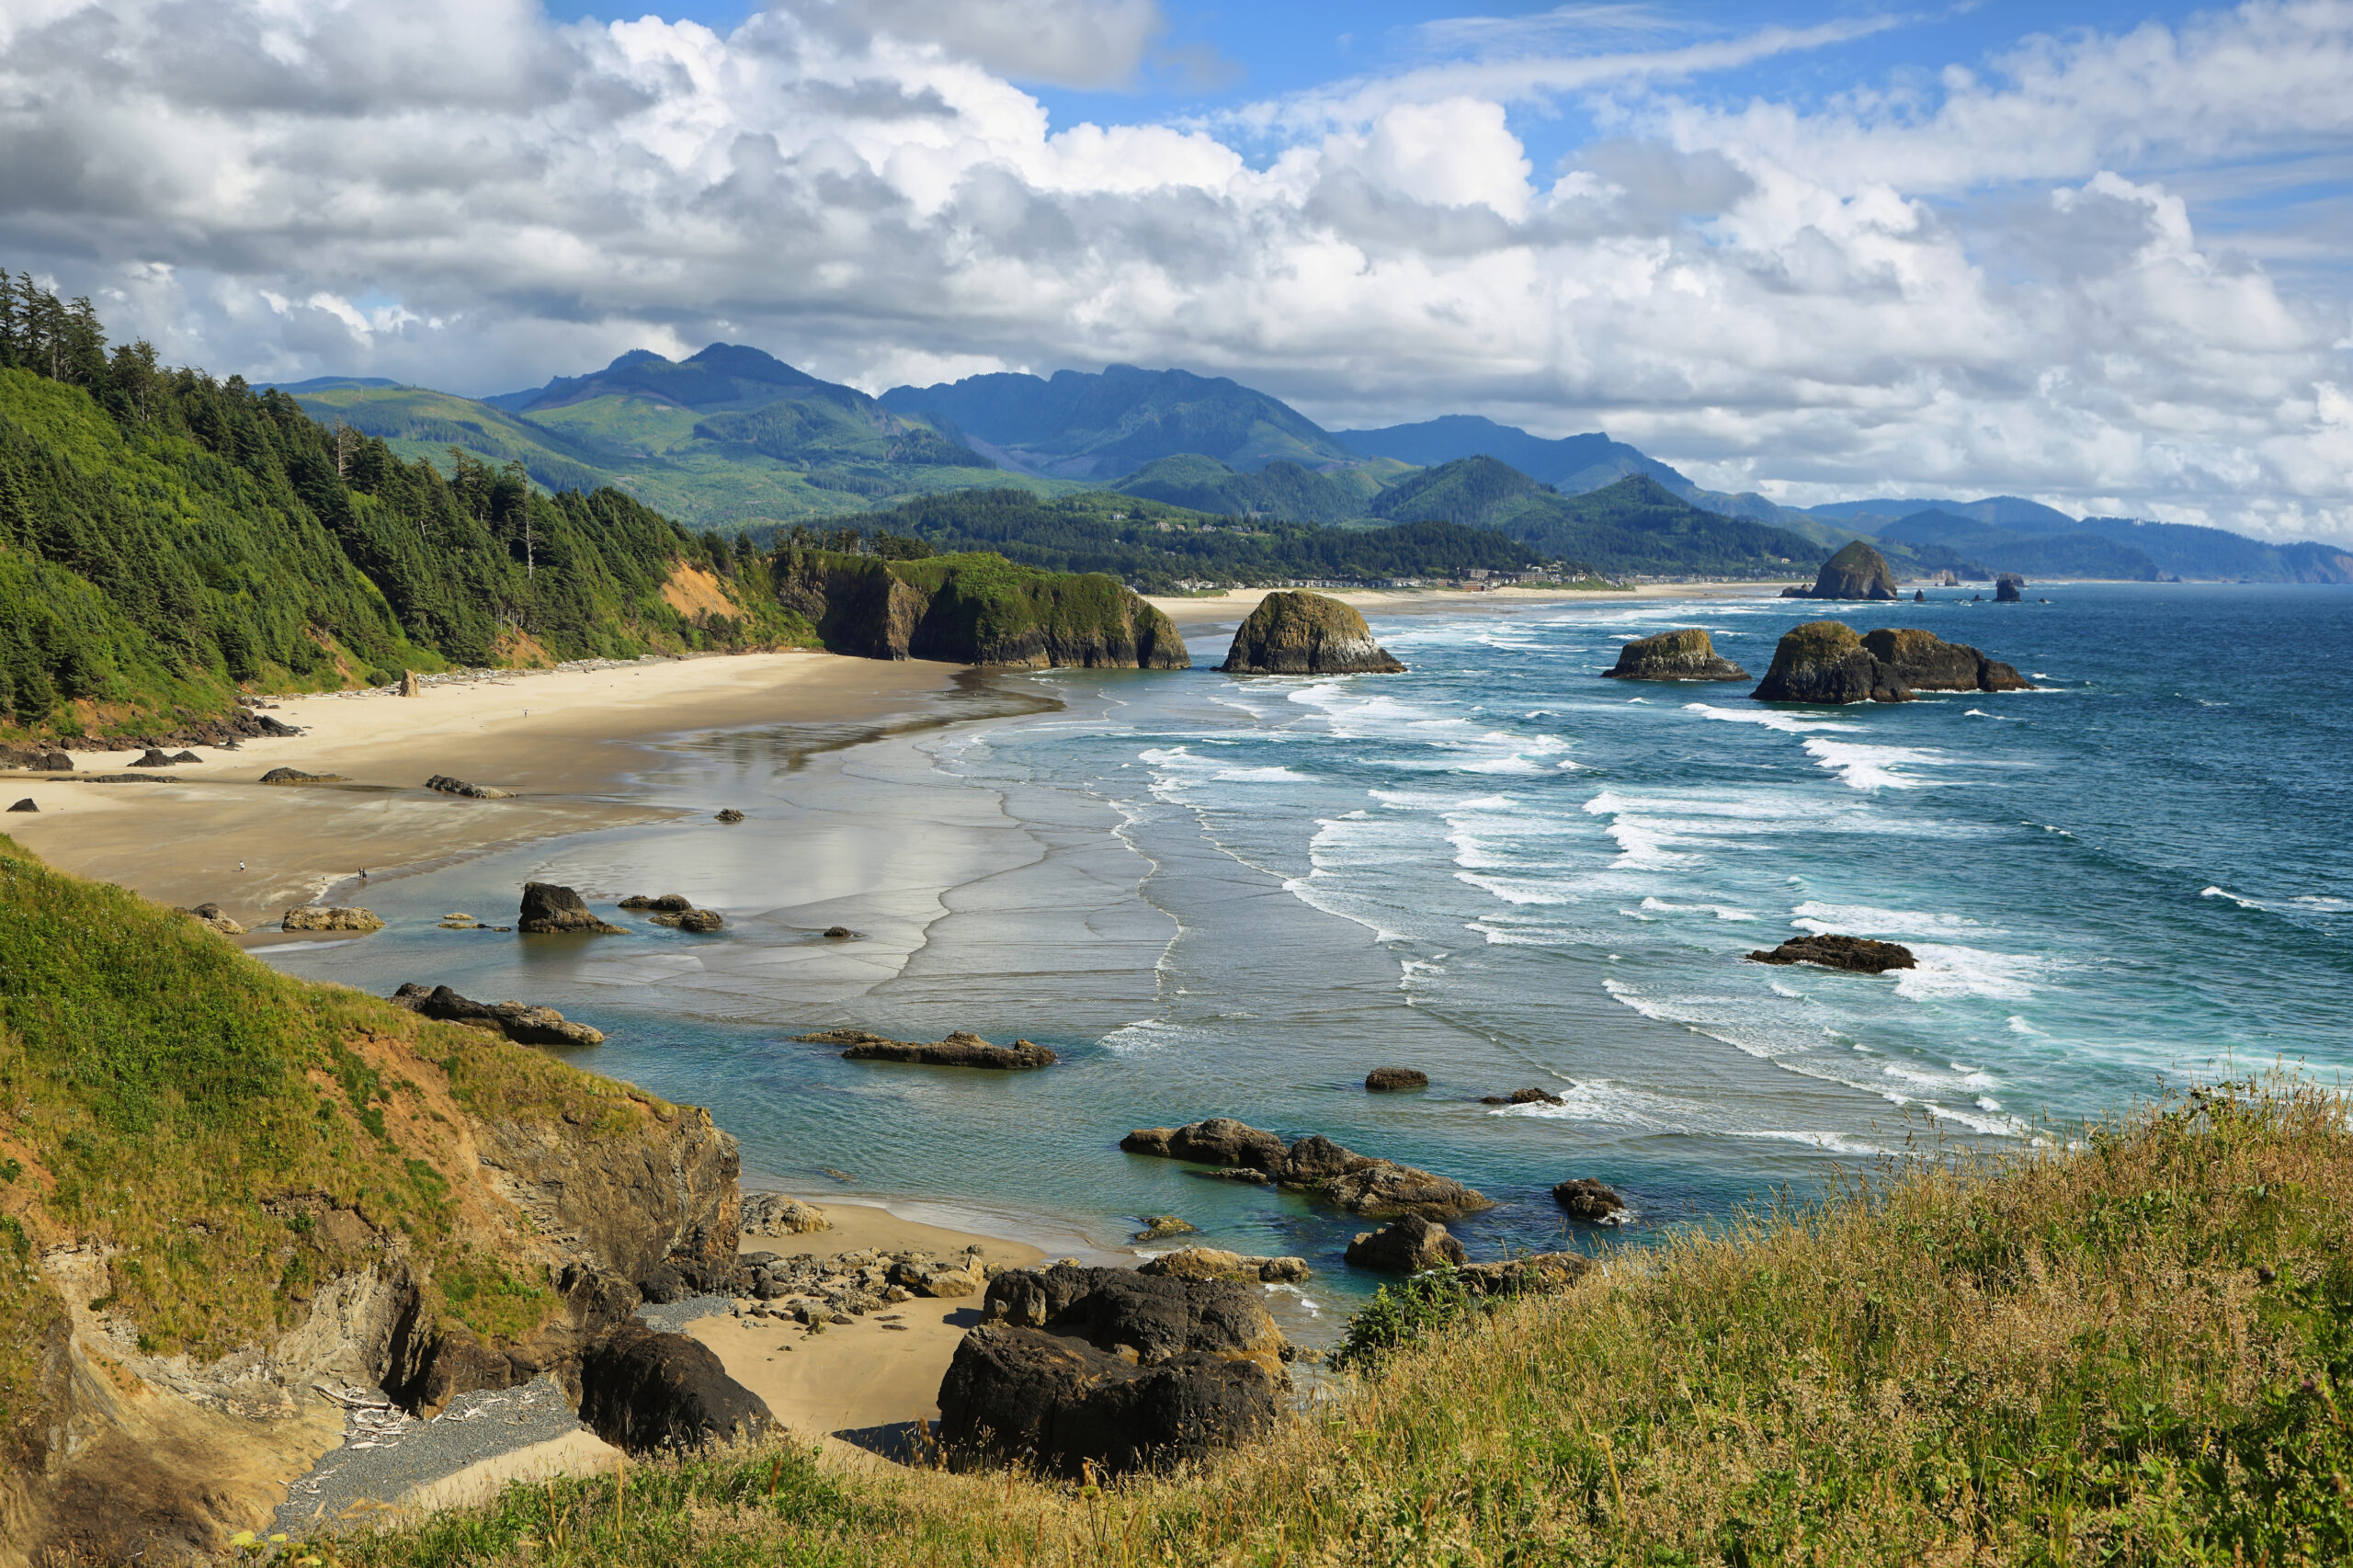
518 1021
1924 661
154 757
1303 633
1587 1199
1072 1409
26 804
296 776
1388 1080
1857 572
1688 654
1220 1141
1531 1096
1920 595
700 920
1406 1246
2006 586
550 908
33 759
1155 1316
730 815
959 1050
442 784
653 1392
1825 660
1537 1274
675 903
839 933
1857 953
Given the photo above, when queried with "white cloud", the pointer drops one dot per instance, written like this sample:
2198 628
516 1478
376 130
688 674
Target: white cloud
1997 284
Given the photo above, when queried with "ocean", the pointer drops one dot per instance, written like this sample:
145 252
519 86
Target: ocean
1234 896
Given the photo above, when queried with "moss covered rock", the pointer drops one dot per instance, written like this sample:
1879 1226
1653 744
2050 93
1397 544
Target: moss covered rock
1857 572
1925 662
1306 634
1688 654
1825 660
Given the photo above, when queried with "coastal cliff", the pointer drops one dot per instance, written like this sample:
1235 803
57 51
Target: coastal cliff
1302 634
975 609
221 1186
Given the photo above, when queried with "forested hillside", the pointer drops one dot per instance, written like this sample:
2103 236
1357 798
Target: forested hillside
1159 548
165 538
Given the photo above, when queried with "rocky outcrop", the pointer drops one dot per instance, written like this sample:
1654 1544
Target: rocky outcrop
774 1214
36 759
1155 1317
1924 661
1530 1095
1215 1263
26 804
1857 572
296 776
1315 1165
1857 953
975 609
155 757
1303 634
959 1050
2008 588
653 1392
329 918
1071 1408
1390 1080
674 910
1688 654
672 903
728 814
1825 662
550 909
209 914
442 784
1536 1274
518 1021
1406 1246
1586 1198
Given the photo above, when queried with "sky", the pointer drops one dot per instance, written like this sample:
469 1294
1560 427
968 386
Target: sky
2093 254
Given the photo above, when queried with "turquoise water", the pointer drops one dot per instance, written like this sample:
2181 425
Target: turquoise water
1224 897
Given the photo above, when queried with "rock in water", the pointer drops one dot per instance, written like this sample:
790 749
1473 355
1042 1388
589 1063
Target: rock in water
2006 586
518 1021
1386 1080
1530 1095
671 903
1301 634
1214 1263
1688 654
1924 661
1156 1226
700 920
730 815
649 1393
26 804
1920 595
1315 1165
1589 1200
1857 572
1406 1246
1825 660
959 1050
1220 1141
549 908
328 917
1857 953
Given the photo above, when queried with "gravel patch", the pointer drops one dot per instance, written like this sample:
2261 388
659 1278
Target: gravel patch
386 1453
672 1317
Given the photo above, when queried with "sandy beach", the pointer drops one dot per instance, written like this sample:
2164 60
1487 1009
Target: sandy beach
564 741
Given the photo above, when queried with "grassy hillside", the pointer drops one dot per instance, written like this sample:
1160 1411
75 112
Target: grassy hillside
165 539
2134 1349
1161 548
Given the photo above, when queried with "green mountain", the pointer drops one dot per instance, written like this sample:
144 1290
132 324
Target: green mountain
1282 489
1471 491
1572 464
1938 540
1160 549
2185 550
1637 527
165 538
1106 425
728 438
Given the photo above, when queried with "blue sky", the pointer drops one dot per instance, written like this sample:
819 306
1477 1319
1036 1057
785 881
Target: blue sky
2093 254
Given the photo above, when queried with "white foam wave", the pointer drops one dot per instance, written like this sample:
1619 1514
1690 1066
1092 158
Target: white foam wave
1515 890
1820 918
1788 724
1261 776
1947 971
2018 1025
1829 1143
1874 768
2225 892
1144 1034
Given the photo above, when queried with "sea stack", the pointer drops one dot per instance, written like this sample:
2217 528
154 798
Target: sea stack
1306 634
1857 572
2006 586
1688 654
1825 660
1924 661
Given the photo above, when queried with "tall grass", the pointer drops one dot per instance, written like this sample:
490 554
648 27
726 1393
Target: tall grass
2131 1351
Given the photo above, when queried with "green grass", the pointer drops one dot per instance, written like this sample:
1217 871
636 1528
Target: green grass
2132 1350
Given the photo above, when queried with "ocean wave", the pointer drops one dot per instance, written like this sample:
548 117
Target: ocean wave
1498 934
1946 970
1517 891
1829 1143
1262 776
1144 1034
1304 889
1722 912
1788 724
2225 892
1874 768
1822 918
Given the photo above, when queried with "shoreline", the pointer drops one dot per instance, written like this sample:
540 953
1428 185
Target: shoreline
1236 603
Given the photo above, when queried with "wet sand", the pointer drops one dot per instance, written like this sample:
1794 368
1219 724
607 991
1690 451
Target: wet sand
565 742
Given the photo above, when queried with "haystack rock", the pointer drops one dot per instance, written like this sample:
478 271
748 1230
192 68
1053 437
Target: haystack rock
1857 572
1688 654
1306 634
2006 586
1924 661
1825 660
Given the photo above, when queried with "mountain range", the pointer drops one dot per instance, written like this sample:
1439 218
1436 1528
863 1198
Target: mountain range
733 438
